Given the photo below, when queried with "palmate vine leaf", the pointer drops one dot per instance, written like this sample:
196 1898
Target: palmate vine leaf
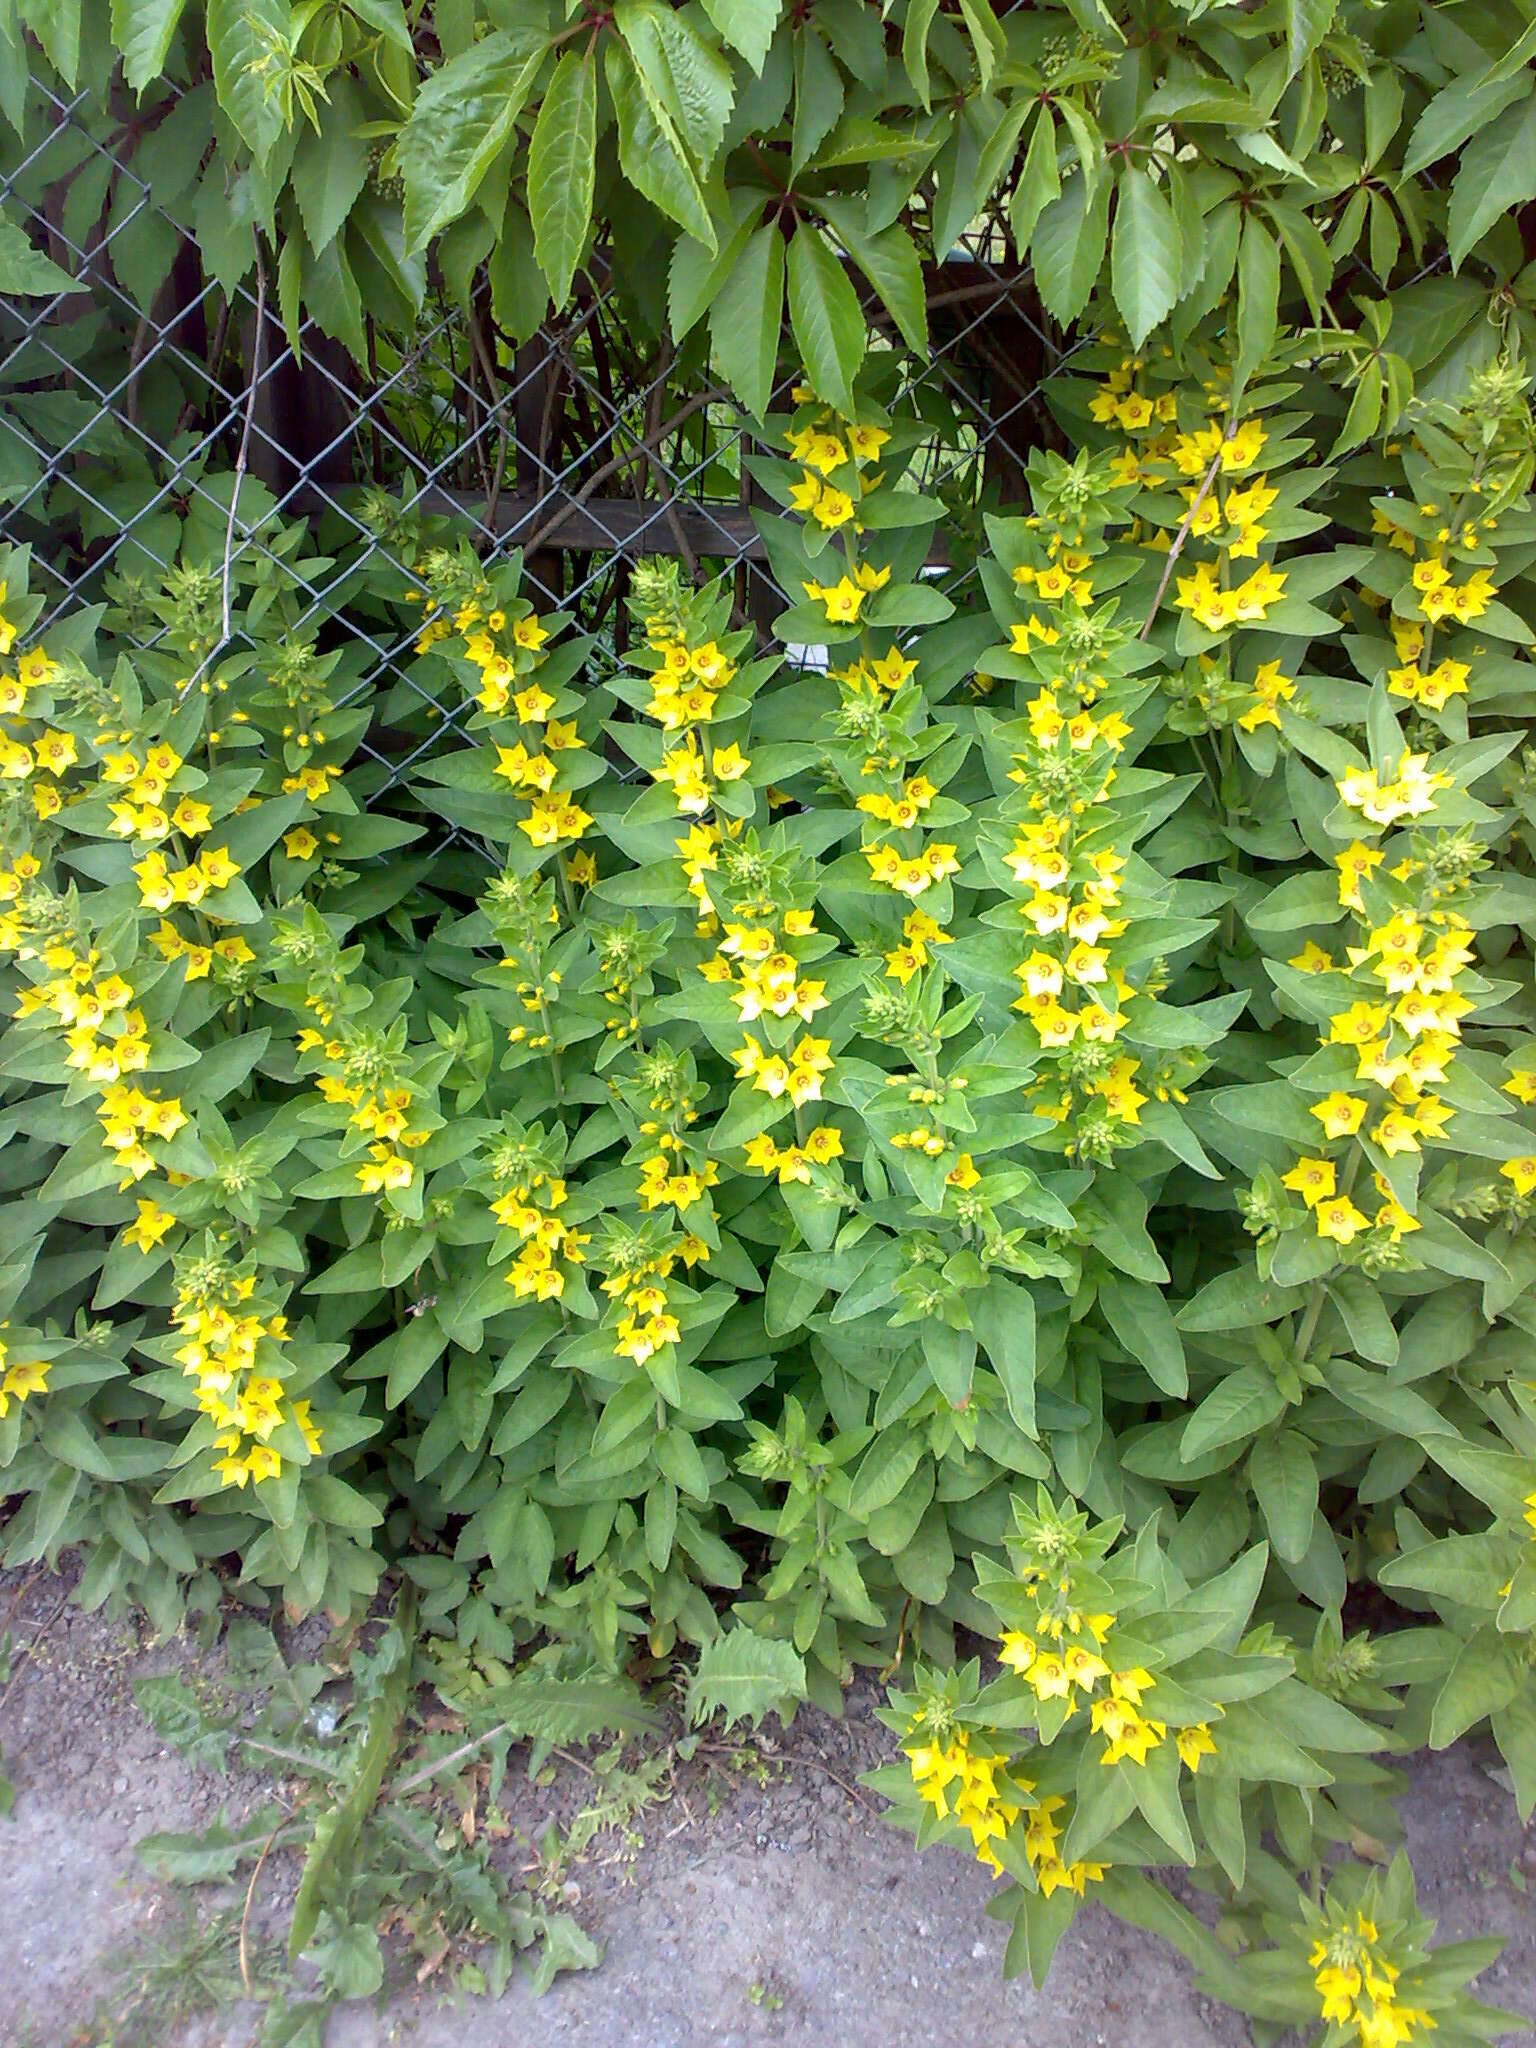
1145 255
463 117
562 166
824 313
142 30
745 319
26 271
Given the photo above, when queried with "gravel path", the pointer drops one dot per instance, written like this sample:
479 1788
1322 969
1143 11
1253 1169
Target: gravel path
790 1914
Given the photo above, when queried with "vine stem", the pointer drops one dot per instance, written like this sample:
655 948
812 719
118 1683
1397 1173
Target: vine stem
242 456
1182 535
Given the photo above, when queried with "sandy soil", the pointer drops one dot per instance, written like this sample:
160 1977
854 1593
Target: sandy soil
789 1915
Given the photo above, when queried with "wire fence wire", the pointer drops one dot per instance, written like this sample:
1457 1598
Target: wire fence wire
157 400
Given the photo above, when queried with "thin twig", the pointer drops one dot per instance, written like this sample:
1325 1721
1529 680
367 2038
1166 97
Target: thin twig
573 501
444 1763
788 1757
241 457
250 1893
1186 523
30 1649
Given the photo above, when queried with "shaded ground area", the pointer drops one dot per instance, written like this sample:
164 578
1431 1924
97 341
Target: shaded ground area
768 1903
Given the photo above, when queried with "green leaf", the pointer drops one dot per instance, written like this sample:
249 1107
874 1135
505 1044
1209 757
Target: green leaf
685 82
743 1676
746 25
1306 23
244 39
891 263
1068 246
1143 1321
27 271
330 169
1039 182
746 318
914 47
1004 1319
541 1706
1239 1406
1258 297
696 276
562 168
1497 174
57 25
1146 255
1488 1673
987 39
464 114
884 1470
175 1713
818 98
327 1866
142 30
1457 112
951 1358
651 153
1284 1480
825 317
211 1857
1365 1316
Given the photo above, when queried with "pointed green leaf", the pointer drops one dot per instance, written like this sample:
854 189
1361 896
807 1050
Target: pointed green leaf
1145 257
1068 246
26 271
463 116
744 1675
1306 23
243 38
142 30
746 318
824 313
562 167
1497 174
746 25
651 153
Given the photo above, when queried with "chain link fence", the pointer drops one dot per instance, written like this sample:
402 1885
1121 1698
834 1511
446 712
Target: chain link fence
158 406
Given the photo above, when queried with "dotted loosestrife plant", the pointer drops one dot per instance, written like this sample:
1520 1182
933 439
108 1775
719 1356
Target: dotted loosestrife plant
1013 1119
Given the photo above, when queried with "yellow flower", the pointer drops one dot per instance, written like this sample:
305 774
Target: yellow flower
824 1144
963 1173
216 867
1392 1216
300 843
1312 959
527 632
24 1378
1340 1115
1521 1173
1194 1743
149 1227
1355 864
532 705
842 600
1312 1179
730 763
1338 1219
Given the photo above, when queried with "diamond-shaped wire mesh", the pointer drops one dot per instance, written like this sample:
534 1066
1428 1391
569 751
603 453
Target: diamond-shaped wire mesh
125 407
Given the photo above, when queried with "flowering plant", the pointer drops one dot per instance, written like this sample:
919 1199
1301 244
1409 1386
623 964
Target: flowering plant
862 1101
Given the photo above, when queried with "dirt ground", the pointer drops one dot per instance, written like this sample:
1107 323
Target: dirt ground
790 1915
